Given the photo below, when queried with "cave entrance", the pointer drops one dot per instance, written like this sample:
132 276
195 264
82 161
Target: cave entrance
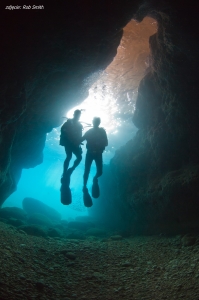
112 97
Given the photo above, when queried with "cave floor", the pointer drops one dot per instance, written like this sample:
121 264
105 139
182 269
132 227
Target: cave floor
153 267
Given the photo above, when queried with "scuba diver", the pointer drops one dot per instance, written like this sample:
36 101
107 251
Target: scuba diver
70 138
97 140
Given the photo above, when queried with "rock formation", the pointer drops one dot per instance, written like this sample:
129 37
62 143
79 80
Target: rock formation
36 207
155 175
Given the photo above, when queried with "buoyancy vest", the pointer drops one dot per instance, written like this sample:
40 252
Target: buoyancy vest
96 139
71 133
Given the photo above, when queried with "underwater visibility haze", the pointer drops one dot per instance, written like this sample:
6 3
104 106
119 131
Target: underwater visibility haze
43 182
112 97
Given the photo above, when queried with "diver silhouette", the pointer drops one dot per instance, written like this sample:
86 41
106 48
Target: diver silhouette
70 138
97 140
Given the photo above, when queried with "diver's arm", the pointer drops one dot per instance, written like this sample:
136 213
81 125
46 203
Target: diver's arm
83 138
105 138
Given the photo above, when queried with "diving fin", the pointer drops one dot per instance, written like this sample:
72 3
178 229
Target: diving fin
87 198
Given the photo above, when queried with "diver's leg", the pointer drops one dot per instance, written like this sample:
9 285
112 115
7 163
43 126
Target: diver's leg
68 158
78 153
86 196
88 162
99 165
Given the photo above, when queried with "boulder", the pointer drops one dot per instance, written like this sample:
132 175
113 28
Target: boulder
34 206
53 232
13 212
39 219
15 222
33 230
80 225
85 219
188 240
116 237
64 223
75 235
96 232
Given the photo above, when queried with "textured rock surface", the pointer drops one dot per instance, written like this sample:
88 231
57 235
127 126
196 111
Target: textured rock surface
155 175
35 230
118 84
13 212
39 219
63 269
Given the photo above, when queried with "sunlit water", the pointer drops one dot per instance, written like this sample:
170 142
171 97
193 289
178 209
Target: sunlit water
43 181
111 97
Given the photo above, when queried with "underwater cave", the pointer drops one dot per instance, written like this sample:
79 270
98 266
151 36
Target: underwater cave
112 97
135 65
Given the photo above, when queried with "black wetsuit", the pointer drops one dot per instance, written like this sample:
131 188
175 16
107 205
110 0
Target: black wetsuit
96 142
71 134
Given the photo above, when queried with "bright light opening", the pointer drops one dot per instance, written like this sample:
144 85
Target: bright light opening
112 98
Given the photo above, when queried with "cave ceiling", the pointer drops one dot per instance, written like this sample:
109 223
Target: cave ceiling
122 77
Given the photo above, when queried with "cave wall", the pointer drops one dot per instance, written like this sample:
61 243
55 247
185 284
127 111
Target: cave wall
155 176
49 59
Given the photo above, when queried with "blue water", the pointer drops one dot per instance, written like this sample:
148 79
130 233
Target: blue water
43 181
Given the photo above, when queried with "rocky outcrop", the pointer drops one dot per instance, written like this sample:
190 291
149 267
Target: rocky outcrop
13 212
38 212
155 175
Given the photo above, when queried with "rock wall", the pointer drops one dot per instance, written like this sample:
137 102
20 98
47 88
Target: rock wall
155 176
